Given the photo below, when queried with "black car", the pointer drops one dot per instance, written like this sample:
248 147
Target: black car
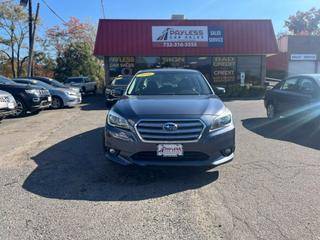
118 85
295 96
28 98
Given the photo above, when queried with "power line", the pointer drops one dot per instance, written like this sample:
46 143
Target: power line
102 8
54 12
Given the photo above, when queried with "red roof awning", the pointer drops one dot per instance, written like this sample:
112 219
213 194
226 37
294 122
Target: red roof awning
134 38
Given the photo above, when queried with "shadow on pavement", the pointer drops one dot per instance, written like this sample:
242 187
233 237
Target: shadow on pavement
289 130
75 169
93 103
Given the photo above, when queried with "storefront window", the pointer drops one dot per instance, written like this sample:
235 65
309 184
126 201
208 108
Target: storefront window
224 69
121 66
251 66
202 64
172 62
147 63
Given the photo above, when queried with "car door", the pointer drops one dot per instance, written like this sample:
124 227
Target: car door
307 96
286 96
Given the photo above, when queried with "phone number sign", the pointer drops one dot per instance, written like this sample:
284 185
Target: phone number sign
187 36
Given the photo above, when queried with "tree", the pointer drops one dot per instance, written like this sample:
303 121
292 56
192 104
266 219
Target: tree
77 60
306 23
73 31
13 32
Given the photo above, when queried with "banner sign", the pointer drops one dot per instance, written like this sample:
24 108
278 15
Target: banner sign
303 57
187 36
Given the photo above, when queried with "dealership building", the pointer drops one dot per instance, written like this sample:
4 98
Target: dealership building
223 50
297 55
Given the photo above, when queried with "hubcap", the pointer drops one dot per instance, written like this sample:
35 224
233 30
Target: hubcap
55 103
270 111
19 108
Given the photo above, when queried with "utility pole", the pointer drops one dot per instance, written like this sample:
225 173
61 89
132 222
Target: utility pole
31 35
33 38
30 39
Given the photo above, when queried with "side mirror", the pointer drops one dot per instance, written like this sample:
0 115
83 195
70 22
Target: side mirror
117 92
219 90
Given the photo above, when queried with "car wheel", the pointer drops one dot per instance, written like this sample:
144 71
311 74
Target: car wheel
271 111
21 110
56 103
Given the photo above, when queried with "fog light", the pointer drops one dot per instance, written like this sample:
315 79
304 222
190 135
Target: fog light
227 152
113 151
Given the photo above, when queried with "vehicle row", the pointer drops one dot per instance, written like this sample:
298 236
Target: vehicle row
21 96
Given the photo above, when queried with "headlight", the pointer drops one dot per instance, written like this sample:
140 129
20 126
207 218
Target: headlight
33 91
222 120
71 93
115 120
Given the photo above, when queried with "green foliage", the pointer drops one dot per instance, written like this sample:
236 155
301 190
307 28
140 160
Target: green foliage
307 22
77 60
236 91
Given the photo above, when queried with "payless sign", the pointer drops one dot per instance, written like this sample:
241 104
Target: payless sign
187 36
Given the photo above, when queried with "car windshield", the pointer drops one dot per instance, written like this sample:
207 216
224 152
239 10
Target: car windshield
4 80
74 80
42 84
123 80
169 83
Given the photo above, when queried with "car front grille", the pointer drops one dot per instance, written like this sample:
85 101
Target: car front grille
154 131
152 156
44 93
4 99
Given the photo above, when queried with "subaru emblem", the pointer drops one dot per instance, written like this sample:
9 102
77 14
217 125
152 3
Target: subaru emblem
170 127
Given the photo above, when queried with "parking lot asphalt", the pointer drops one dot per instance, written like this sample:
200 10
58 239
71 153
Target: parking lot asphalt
56 184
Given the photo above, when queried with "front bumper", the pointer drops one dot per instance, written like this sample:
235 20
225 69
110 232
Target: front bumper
205 152
72 101
7 112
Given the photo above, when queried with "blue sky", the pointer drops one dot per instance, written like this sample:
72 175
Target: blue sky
277 10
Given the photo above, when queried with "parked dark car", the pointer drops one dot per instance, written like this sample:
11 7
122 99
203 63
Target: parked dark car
54 83
28 98
295 96
169 117
118 85
61 97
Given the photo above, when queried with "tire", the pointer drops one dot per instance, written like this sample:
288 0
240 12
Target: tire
21 109
95 90
271 111
56 103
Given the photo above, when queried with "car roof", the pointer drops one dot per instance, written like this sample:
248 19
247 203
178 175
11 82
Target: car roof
182 70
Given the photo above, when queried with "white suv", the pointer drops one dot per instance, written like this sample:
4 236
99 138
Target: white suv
7 104
85 84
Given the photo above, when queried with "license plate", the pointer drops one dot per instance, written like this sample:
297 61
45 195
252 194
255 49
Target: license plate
11 105
50 99
170 150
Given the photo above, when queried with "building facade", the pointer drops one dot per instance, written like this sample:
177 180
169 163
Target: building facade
220 49
297 55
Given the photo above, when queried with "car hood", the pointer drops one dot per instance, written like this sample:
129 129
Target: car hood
168 105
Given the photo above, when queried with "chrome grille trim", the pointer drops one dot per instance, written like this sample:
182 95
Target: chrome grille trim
151 130
4 99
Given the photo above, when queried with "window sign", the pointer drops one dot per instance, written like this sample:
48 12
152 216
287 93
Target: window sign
224 69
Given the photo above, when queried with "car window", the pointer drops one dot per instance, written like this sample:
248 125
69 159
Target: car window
306 85
290 85
169 83
4 80
121 81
